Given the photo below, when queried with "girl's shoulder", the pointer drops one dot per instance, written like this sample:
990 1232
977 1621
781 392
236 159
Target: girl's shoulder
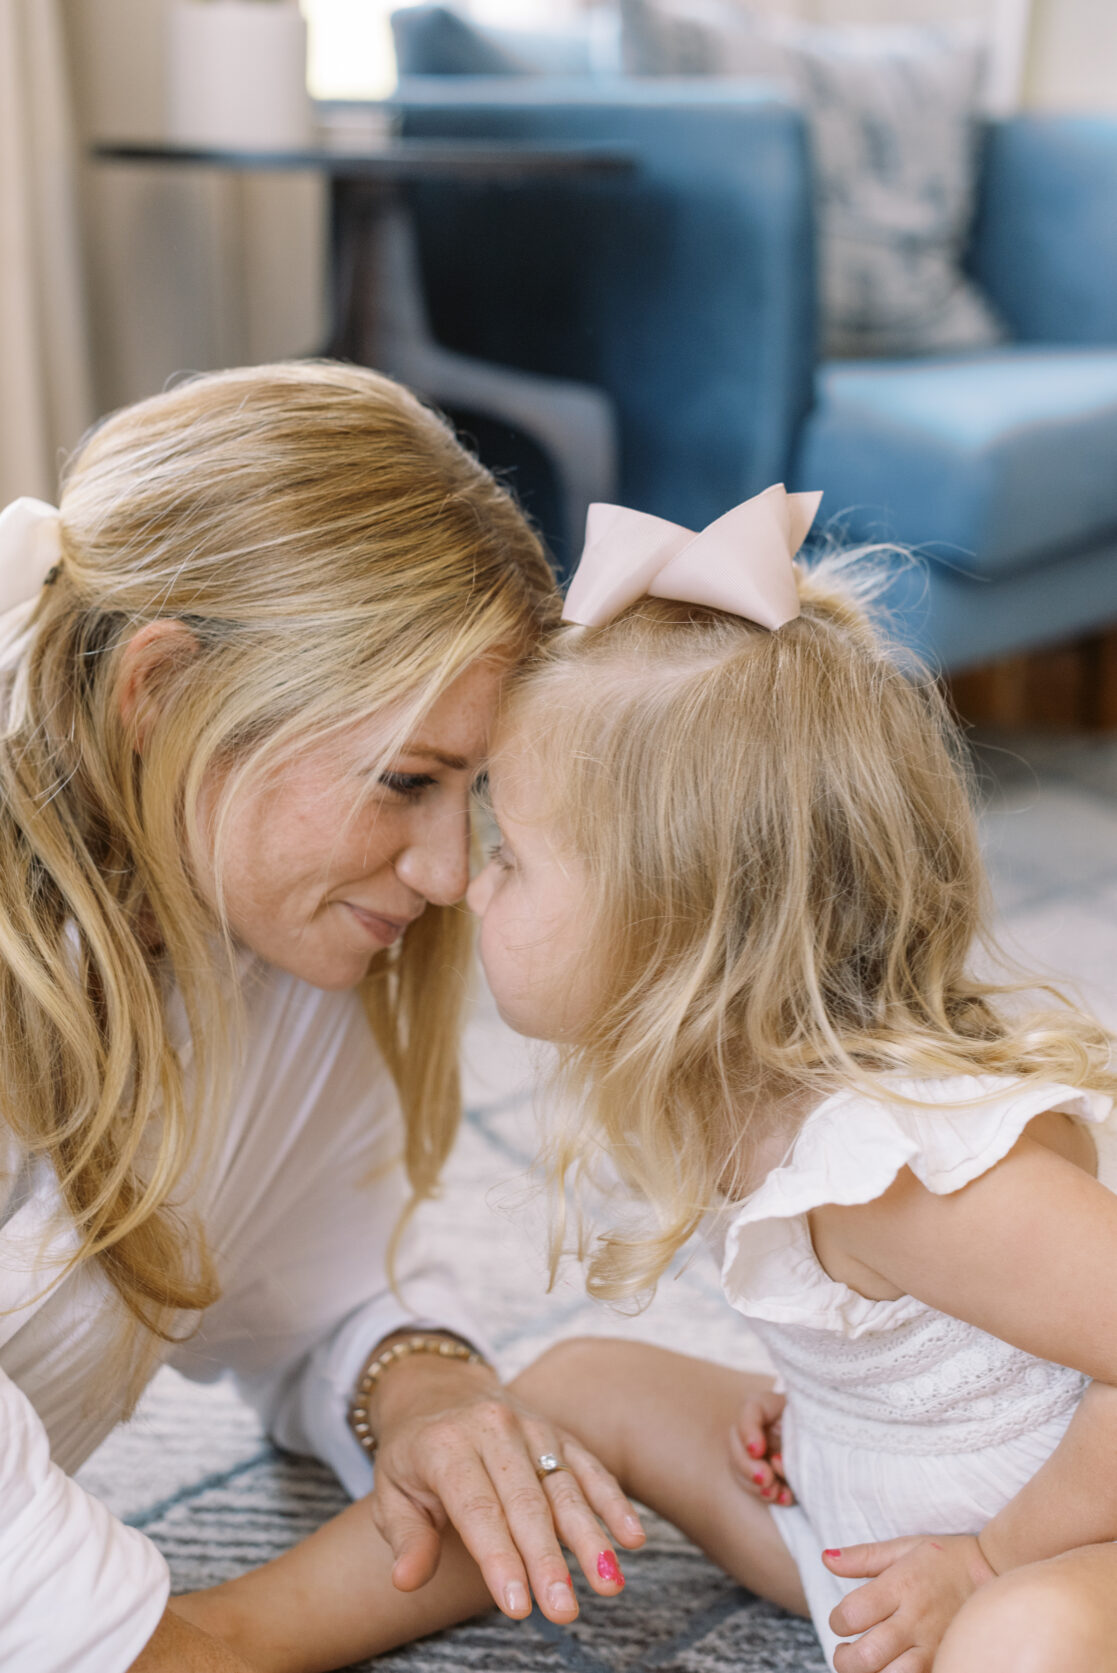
850 1149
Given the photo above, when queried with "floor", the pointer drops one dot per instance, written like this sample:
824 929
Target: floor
194 1471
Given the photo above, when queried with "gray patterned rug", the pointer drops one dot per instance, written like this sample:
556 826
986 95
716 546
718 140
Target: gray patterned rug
194 1471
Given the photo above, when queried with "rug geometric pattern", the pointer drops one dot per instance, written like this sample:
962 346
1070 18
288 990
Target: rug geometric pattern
194 1471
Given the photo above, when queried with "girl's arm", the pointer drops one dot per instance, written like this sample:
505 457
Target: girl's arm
1020 1252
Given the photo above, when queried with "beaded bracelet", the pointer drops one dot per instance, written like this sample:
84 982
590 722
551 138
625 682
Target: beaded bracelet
445 1347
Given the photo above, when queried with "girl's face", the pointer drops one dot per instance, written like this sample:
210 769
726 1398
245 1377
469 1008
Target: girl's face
533 901
324 865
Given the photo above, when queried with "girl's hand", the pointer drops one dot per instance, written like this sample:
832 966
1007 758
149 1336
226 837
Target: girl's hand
454 1446
754 1449
918 1587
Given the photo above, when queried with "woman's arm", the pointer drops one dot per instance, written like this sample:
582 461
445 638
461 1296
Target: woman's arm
333 1600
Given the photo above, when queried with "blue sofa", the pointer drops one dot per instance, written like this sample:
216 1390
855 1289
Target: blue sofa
686 290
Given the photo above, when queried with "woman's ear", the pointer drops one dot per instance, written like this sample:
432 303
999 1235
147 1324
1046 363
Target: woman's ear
146 657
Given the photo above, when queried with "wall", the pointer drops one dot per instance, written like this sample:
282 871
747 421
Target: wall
187 269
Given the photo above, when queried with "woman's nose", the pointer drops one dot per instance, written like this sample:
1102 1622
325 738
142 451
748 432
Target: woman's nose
435 863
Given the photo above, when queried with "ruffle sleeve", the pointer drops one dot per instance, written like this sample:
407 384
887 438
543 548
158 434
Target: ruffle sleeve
850 1149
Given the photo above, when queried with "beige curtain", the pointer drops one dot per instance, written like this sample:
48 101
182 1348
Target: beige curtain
45 386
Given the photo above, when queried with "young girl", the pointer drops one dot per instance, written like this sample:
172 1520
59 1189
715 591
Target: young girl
739 884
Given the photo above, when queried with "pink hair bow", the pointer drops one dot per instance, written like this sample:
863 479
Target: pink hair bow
740 563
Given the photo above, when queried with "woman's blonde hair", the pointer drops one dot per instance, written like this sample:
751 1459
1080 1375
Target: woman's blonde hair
333 551
785 891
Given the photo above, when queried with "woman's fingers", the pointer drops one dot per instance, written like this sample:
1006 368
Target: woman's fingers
583 1496
603 1494
581 1532
411 1534
505 1524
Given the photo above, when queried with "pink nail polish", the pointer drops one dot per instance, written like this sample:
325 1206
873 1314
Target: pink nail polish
832 1553
777 1461
570 1582
608 1570
755 1449
758 1478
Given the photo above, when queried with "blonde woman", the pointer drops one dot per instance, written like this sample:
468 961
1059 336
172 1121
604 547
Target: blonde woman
249 670
739 884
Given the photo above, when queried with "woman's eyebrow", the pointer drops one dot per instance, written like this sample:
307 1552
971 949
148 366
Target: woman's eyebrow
456 763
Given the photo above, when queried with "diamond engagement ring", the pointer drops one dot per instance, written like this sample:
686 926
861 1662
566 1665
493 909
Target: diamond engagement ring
547 1464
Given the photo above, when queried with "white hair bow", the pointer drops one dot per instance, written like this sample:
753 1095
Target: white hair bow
741 563
30 546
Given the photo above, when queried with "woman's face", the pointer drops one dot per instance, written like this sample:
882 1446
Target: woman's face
326 865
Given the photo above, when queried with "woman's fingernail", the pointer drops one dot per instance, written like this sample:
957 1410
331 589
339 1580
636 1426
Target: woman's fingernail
758 1478
570 1581
755 1449
785 1497
832 1553
562 1596
608 1570
633 1525
515 1598
777 1461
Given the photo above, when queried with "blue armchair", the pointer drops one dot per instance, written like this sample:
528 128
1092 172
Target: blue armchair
687 292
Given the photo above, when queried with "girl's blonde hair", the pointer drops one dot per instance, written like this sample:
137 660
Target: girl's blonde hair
333 551
785 890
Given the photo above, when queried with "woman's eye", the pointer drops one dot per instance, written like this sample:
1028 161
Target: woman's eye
499 856
409 785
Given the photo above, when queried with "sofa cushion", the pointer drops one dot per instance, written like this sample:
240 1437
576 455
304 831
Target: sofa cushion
438 41
893 117
992 462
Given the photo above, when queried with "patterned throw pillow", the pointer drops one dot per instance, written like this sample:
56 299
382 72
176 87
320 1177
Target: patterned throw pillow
893 118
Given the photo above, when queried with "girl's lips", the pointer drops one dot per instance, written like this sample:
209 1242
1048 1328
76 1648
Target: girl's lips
384 930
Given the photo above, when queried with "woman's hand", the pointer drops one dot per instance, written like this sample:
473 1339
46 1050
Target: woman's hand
755 1443
455 1446
917 1587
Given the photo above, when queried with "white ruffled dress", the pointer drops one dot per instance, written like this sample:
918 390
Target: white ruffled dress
900 1419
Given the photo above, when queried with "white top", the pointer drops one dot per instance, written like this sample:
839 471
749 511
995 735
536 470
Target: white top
299 1233
900 1419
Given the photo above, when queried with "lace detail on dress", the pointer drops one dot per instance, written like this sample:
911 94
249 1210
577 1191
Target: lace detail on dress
931 1385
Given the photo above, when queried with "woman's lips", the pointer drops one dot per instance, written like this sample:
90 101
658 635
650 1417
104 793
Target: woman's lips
384 930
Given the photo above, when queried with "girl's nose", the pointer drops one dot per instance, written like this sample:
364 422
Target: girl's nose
479 893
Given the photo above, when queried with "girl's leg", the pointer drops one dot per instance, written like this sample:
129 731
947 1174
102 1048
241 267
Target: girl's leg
1054 1617
660 1422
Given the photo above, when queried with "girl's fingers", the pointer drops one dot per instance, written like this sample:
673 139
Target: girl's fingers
744 1468
866 1607
752 1428
856 1562
880 1648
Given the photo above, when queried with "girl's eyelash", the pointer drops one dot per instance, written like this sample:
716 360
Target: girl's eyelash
410 785
499 856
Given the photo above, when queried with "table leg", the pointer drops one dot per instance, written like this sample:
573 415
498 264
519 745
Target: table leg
380 320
